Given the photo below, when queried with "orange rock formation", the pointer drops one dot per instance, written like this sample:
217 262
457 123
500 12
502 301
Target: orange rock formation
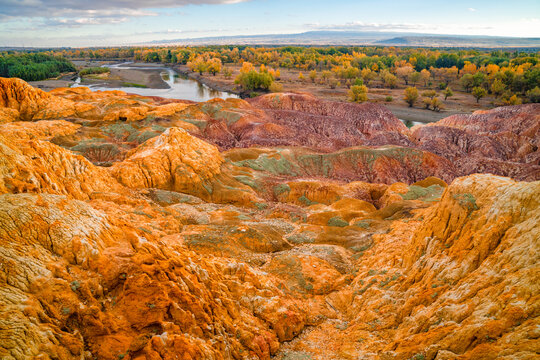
126 235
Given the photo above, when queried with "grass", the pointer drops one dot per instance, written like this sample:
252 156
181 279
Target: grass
94 70
129 84
467 201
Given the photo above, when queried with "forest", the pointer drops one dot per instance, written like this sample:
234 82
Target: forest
33 66
513 76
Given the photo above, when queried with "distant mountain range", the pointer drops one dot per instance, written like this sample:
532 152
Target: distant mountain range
361 38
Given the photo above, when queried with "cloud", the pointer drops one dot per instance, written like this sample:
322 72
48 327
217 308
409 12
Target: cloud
405 28
80 8
363 26
471 9
95 17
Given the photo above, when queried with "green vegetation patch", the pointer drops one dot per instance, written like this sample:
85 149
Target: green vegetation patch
130 84
364 224
304 200
337 221
466 200
281 188
428 194
94 70
248 180
277 165
306 237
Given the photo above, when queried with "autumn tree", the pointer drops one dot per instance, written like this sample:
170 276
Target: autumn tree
436 104
368 75
411 95
213 66
254 80
414 77
313 75
479 92
358 93
326 75
301 77
404 72
448 93
430 94
389 79
425 75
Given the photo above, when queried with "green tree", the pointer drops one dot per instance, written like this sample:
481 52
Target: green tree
498 87
467 82
479 92
534 95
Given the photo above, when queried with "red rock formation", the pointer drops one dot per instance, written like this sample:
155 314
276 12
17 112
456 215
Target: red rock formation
502 141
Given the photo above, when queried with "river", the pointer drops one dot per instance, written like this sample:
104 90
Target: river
180 87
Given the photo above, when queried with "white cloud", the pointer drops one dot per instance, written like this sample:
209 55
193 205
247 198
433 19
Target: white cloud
65 8
471 9
522 28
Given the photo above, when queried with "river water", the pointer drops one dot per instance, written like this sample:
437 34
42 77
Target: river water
180 87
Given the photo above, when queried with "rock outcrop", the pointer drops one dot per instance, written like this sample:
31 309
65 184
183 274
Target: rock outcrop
502 141
157 245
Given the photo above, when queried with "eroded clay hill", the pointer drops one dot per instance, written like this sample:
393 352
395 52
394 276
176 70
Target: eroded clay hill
133 228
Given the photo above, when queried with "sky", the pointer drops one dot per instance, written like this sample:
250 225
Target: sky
80 23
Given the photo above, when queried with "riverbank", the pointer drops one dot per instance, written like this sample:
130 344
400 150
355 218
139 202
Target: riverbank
121 77
149 76
215 82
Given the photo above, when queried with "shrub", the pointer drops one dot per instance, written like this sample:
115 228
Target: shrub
411 95
429 93
358 93
448 93
534 95
479 92
276 87
436 104
388 99
227 73
313 75
254 80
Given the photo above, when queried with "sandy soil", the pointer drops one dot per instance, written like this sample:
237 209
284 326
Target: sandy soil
120 77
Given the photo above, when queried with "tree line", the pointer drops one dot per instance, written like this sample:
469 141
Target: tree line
33 66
